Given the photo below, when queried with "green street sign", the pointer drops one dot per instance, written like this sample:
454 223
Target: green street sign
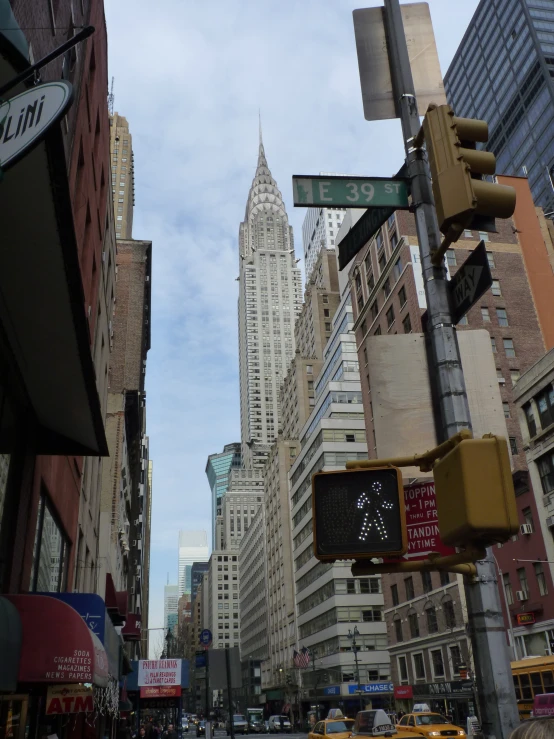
350 192
361 232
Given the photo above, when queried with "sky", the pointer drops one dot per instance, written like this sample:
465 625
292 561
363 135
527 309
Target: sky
191 77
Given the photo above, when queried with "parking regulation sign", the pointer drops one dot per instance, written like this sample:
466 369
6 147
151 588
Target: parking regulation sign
206 638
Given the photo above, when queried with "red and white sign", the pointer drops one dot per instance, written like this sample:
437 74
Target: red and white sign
525 619
68 699
422 523
169 691
159 672
403 691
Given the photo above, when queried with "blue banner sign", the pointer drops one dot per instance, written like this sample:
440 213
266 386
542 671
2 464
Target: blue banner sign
331 690
371 688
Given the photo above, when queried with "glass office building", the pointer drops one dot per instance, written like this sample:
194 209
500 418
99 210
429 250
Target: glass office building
502 73
217 471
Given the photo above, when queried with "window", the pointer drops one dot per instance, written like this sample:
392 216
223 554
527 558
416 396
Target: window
500 376
513 444
462 321
374 310
414 625
485 314
509 347
455 659
493 344
350 586
528 516
506 408
402 296
403 669
490 258
451 258
449 614
508 588
382 261
327 326
390 316
407 325
377 331
523 585
409 585
515 374
432 623
483 236
546 472
394 594
445 578
398 630
50 553
386 287
530 418
545 406
426 582
370 280
502 316
358 281
309 369
467 233
541 580
419 666
438 664
496 288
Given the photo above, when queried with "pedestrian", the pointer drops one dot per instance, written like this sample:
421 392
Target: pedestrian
142 732
537 728
171 733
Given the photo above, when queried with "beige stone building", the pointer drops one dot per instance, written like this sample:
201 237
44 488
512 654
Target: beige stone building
123 175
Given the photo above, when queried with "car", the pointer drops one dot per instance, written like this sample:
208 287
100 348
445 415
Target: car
377 723
185 725
279 724
339 727
429 725
240 725
201 728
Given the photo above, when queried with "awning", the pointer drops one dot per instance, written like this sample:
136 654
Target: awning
48 330
10 645
116 602
57 645
132 631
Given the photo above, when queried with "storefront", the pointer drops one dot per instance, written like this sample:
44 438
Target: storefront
454 698
350 698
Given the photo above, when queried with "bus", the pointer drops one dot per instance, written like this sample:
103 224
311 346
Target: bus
532 676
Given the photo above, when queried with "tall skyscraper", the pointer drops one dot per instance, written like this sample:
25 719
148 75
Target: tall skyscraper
502 73
193 547
217 471
171 606
270 298
123 176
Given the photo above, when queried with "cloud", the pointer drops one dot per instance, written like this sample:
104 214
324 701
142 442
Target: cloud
190 77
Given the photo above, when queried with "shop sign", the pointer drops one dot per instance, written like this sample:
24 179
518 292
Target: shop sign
331 690
403 691
167 691
456 687
525 619
371 688
25 118
69 699
159 672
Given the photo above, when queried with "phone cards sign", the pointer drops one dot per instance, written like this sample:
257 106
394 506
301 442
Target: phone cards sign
159 672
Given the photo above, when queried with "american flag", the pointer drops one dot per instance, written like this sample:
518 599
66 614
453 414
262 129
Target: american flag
301 659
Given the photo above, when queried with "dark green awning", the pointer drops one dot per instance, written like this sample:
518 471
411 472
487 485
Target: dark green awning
10 645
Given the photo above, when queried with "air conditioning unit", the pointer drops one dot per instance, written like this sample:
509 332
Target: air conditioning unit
132 589
521 595
526 529
550 521
134 542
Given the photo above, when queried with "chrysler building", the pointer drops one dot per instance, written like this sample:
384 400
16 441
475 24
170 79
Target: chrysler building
270 299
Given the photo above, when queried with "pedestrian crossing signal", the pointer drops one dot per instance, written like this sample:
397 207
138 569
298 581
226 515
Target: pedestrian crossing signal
359 514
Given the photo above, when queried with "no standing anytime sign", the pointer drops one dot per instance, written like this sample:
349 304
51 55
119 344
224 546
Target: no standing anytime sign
422 523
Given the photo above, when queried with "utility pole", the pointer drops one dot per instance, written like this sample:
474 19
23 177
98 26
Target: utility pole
494 679
229 692
352 635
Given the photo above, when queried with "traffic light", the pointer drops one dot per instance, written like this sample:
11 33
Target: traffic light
462 198
475 493
358 514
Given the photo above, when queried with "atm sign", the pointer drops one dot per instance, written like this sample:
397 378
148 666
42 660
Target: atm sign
525 619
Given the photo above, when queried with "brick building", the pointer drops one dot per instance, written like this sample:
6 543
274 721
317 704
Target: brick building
388 298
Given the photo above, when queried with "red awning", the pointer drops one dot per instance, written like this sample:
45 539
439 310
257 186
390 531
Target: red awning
57 645
132 629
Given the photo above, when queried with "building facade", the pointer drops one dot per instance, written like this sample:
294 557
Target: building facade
221 602
171 606
123 175
502 73
253 590
217 472
319 231
270 296
193 547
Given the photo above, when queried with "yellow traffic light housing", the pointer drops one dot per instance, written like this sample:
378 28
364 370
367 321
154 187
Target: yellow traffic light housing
359 514
462 198
475 493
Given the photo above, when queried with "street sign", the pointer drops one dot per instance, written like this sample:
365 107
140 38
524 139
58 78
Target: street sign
349 192
470 282
206 637
25 118
361 233
422 523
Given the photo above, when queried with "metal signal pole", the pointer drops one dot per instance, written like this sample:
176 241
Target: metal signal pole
494 679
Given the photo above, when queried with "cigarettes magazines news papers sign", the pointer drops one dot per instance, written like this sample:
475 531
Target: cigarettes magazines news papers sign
159 672
422 523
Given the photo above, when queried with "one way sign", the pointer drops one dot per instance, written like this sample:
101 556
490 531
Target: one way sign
470 282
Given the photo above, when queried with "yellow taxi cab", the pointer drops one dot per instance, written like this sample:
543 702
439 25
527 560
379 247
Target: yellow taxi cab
375 722
429 725
337 728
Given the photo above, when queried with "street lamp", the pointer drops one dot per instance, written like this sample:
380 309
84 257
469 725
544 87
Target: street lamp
352 635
